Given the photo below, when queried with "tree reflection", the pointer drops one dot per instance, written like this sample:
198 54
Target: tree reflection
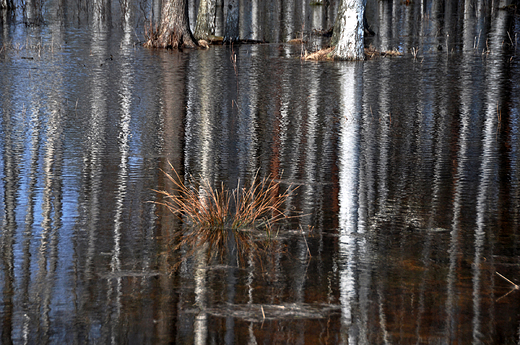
407 173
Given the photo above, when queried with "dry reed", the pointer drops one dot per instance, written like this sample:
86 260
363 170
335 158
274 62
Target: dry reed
327 54
219 219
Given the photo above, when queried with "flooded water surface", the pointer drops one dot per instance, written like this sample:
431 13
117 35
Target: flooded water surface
405 168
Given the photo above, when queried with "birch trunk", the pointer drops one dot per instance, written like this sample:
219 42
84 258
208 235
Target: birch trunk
205 20
348 30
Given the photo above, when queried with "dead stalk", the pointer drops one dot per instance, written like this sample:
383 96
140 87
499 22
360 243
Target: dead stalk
414 53
515 287
306 244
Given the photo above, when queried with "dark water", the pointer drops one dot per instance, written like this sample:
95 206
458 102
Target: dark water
407 171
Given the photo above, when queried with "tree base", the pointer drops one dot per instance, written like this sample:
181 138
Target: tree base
168 38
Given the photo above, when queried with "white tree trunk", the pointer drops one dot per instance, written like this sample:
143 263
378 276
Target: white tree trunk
348 30
205 20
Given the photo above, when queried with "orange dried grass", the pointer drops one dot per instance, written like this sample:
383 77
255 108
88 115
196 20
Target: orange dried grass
214 216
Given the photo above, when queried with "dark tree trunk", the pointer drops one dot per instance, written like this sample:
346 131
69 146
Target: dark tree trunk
174 30
6 5
231 33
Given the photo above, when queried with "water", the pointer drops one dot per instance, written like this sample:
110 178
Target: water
407 173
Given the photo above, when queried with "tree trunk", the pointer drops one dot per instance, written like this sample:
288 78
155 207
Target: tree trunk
231 33
6 5
348 30
174 31
205 20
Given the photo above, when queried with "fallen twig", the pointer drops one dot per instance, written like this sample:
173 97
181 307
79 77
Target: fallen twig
516 287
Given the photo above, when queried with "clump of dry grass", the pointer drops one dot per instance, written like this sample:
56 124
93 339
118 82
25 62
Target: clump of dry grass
320 55
393 52
242 218
371 52
327 54
151 34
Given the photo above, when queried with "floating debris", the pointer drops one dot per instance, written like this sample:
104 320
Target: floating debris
261 312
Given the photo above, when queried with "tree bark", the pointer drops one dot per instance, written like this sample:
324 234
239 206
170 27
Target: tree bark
205 20
348 31
6 5
231 33
174 30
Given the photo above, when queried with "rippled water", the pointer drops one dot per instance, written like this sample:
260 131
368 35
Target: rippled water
406 167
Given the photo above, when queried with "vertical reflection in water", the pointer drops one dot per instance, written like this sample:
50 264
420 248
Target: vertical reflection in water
249 283
125 118
304 129
201 319
56 129
486 199
373 180
382 316
419 141
51 214
290 122
200 128
513 138
373 168
247 111
279 137
11 159
453 251
383 138
194 120
171 322
200 122
351 248
460 175
311 161
486 172
29 220
207 168
454 248
92 196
